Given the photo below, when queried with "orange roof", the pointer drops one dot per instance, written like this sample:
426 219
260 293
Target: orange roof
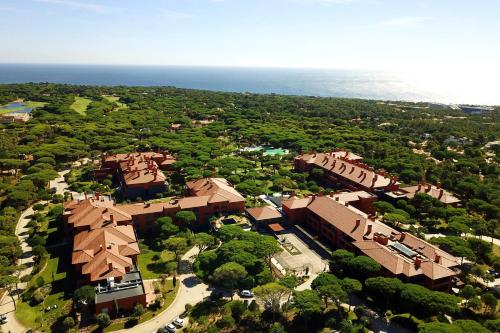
276 227
94 214
432 190
217 189
105 252
364 231
141 171
264 213
353 170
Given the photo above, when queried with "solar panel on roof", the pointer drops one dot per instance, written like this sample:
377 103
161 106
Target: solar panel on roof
403 249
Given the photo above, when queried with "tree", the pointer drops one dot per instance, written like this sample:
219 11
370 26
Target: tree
177 245
277 328
85 294
167 227
272 294
68 323
467 292
9 282
363 266
229 275
237 309
290 281
203 241
324 279
186 217
436 327
138 310
308 303
332 292
490 301
339 260
351 286
266 247
103 320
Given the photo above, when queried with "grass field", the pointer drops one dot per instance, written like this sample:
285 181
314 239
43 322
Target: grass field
151 269
116 101
34 104
80 105
54 274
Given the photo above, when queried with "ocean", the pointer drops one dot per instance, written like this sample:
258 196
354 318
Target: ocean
377 85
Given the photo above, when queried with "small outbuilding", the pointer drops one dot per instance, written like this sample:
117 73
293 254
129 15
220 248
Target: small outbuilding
264 216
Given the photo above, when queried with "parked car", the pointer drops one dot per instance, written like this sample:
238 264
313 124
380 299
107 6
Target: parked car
246 293
178 322
170 328
3 319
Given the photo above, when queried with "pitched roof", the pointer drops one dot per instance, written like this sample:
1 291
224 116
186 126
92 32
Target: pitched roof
264 213
352 170
105 252
366 232
217 189
95 214
432 190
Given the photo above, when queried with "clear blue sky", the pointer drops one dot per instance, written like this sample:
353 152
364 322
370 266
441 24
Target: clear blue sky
375 34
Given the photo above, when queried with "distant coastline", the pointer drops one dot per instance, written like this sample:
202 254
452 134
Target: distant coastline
374 85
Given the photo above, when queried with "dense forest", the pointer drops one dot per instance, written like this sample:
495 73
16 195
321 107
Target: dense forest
413 141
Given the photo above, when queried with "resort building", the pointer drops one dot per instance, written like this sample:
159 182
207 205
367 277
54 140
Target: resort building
14 117
139 174
104 255
346 170
207 197
434 191
401 254
264 216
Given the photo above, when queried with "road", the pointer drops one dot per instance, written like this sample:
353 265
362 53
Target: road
6 305
191 291
488 239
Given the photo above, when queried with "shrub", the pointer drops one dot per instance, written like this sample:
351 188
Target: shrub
40 281
37 297
68 323
103 320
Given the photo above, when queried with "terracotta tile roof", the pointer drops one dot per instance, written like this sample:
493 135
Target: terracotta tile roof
141 172
95 214
353 196
369 235
264 213
217 189
276 227
432 190
352 170
105 252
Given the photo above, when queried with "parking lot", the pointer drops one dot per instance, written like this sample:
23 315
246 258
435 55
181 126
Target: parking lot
297 256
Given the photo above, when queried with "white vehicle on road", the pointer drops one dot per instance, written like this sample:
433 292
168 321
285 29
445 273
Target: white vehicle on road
178 322
246 293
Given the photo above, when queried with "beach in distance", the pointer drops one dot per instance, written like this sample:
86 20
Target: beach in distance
379 85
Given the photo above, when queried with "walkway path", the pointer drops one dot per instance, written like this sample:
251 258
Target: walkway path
191 291
7 307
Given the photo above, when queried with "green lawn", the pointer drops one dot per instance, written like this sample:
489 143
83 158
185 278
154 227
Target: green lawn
54 274
149 268
35 104
80 105
116 101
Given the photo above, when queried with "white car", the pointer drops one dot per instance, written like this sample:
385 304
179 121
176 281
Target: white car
246 293
170 328
178 322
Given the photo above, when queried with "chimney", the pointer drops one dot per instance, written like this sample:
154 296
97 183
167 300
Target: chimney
97 195
437 259
112 218
346 204
418 262
293 194
402 238
100 248
320 194
336 198
358 222
331 194
85 194
368 230
110 266
352 170
428 188
346 154
441 191
314 155
419 188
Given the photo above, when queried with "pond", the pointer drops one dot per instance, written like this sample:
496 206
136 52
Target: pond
268 151
15 107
